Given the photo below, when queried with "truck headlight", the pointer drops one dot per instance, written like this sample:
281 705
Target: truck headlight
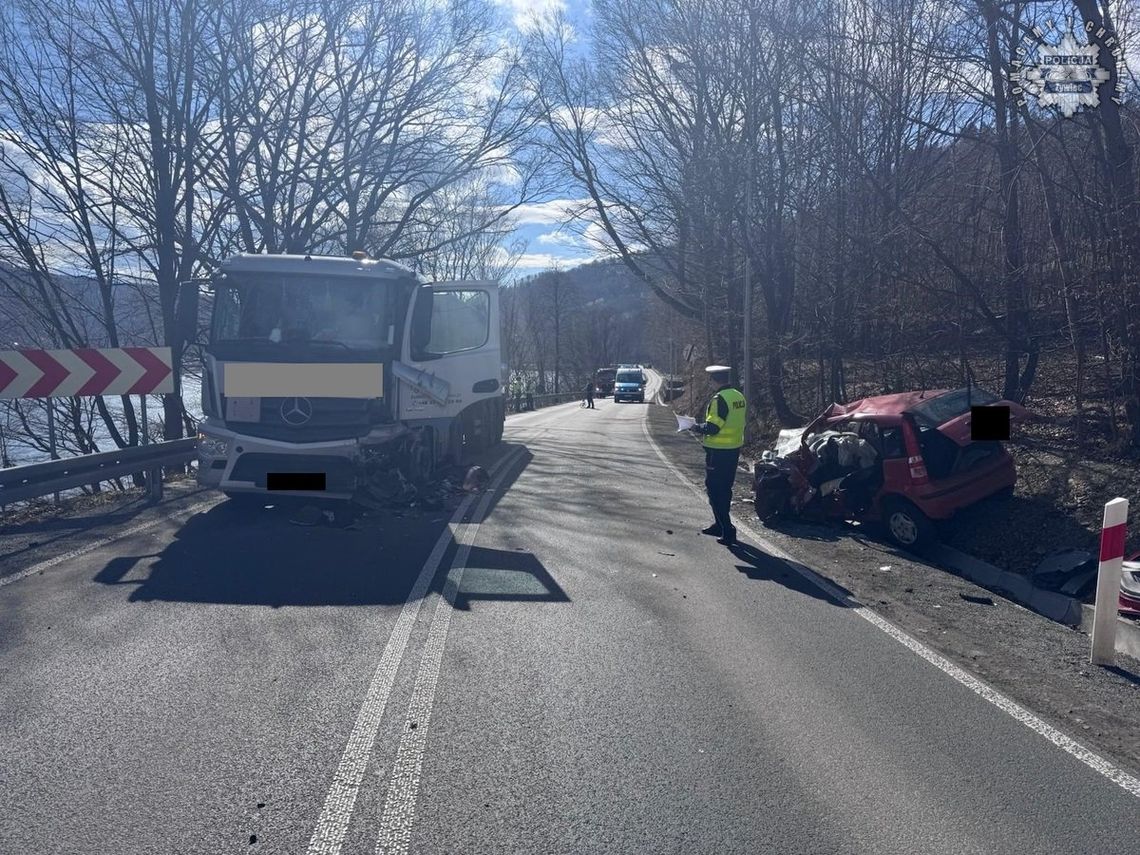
212 446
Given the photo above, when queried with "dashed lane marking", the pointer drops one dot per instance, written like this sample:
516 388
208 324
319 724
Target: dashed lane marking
1090 758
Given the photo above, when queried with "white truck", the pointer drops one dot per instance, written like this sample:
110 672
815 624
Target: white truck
342 377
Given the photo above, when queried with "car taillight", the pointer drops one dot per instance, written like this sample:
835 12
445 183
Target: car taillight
917 469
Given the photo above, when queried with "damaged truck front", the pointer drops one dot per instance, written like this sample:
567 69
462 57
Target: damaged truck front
344 378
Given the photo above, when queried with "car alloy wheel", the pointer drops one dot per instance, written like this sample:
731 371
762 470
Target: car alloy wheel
907 526
903 528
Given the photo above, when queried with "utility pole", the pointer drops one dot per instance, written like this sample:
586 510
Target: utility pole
748 118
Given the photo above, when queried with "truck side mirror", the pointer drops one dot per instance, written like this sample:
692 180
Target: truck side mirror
421 324
186 311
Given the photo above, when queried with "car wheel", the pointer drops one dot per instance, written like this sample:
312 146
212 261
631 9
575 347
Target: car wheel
906 525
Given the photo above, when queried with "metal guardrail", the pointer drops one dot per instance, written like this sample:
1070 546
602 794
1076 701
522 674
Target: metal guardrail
519 405
39 479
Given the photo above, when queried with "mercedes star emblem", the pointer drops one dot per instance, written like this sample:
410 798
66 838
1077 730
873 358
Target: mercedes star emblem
296 411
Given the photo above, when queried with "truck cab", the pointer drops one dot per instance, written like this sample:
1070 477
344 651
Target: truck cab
324 376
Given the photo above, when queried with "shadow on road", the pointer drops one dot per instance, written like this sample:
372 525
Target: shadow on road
497 574
240 555
766 568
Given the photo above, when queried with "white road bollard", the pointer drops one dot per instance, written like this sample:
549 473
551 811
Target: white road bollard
1108 581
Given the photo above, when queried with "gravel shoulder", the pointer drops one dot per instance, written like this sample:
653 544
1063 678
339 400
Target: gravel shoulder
1038 663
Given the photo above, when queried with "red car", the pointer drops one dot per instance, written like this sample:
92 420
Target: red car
909 460
1130 587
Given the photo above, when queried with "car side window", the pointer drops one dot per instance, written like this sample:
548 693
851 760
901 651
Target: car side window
892 442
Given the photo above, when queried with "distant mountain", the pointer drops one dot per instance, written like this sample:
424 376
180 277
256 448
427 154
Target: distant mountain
135 310
601 294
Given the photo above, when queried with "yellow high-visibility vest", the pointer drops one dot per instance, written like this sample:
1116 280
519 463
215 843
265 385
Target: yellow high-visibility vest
731 433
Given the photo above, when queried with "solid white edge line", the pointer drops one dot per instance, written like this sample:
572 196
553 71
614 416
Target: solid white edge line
98 544
331 827
1090 758
395 835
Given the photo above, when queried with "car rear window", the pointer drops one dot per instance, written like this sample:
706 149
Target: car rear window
937 411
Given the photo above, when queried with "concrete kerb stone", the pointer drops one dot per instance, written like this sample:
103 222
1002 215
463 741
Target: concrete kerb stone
1127 632
1057 607
1020 589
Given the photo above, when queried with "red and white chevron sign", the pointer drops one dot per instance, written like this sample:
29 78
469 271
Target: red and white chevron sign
85 371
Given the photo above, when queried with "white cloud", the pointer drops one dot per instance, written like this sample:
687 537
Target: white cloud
538 261
527 12
554 211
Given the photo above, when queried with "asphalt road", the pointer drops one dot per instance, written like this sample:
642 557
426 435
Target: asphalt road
564 666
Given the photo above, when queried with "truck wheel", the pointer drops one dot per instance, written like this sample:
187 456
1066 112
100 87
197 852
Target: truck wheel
474 438
421 457
906 525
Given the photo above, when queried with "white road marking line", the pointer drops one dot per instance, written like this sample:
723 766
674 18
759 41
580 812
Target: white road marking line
328 835
404 782
1090 758
98 544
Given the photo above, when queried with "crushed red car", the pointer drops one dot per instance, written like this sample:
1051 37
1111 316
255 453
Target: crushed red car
904 460
1130 587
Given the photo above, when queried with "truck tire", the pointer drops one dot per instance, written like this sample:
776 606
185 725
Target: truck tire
421 457
906 525
476 437
500 423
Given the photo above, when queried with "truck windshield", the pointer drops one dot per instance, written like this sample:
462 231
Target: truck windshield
344 312
630 377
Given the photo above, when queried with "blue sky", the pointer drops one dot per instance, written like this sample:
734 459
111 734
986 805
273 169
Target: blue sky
541 224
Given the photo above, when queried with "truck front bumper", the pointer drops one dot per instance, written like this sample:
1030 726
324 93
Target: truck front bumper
238 463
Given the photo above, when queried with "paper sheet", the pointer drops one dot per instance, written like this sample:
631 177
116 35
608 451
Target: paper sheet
684 422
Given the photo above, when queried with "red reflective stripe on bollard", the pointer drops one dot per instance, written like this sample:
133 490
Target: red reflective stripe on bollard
1112 542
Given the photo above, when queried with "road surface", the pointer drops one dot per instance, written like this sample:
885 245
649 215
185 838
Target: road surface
562 666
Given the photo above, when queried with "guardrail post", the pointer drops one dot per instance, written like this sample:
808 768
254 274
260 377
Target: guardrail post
1108 581
51 441
154 484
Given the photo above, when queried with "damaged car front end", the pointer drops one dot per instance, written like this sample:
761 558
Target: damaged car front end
903 460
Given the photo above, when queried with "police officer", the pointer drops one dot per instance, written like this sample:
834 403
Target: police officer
723 431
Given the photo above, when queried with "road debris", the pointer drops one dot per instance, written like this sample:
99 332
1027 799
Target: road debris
307 515
982 601
476 480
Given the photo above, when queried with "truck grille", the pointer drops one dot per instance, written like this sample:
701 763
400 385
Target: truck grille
331 419
340 474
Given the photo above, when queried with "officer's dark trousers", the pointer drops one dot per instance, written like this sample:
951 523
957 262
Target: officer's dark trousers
720 473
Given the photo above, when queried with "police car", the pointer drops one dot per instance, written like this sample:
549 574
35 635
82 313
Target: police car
629 384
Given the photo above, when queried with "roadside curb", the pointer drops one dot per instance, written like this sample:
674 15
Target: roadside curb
1127 632
1057 607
